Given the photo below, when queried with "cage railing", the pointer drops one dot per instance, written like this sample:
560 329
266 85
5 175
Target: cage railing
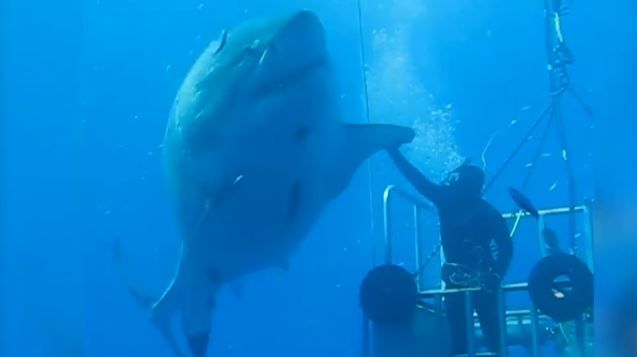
418 206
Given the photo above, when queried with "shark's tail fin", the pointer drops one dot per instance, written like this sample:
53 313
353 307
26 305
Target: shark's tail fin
158 308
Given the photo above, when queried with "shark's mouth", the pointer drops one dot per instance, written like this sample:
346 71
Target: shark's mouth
281 83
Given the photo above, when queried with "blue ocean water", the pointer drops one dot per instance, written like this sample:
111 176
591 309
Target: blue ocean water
86 90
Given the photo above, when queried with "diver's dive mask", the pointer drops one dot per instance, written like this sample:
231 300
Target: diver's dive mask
451 178
455 175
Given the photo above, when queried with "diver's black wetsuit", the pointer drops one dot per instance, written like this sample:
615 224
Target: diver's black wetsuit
468 228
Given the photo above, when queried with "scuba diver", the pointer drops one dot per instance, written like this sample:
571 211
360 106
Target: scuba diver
476 244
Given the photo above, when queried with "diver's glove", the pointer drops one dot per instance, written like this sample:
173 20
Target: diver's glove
491 281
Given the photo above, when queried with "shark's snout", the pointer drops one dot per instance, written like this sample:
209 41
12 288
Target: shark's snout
302 37
297 49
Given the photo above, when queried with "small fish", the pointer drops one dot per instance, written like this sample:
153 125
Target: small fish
523 202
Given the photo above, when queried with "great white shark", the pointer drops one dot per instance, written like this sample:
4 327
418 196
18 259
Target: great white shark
254 150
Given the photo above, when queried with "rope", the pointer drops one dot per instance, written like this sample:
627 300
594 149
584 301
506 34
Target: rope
572 189
538 153
515 151
559 57
581 102
361 34
366 351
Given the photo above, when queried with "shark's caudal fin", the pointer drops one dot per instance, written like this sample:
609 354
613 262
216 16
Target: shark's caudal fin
361 142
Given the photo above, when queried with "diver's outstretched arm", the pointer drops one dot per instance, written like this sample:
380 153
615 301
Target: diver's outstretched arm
430 190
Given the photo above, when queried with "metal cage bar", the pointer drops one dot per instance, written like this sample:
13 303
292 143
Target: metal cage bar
588 236
535 338
502 324
470 329
418 206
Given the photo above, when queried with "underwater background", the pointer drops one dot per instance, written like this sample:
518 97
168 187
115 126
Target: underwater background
86 91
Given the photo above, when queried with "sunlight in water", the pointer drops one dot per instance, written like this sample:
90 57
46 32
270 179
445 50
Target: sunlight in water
397 95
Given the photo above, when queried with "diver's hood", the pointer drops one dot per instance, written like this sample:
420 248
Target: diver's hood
467 177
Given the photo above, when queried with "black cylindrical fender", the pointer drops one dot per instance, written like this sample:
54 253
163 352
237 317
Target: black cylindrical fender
570 302
389 294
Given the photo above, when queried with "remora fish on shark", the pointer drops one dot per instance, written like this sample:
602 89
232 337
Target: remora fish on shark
254 151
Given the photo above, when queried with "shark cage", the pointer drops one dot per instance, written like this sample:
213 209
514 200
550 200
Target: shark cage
405 317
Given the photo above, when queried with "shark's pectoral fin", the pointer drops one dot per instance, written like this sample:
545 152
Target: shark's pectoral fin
361 142
366 139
